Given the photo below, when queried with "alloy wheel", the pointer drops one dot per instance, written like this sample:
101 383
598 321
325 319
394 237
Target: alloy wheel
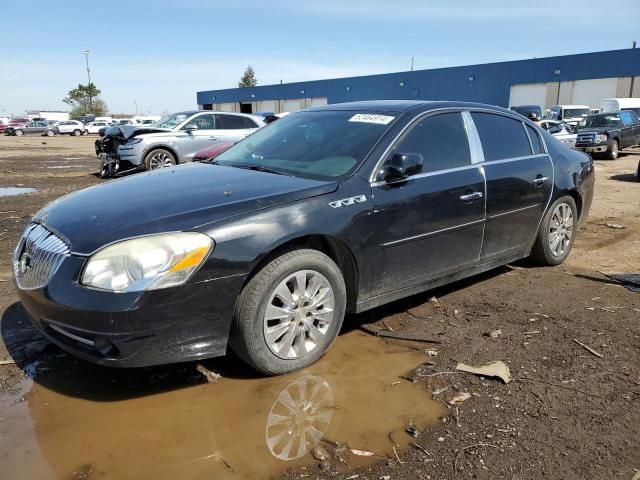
160 160
560 229
298 314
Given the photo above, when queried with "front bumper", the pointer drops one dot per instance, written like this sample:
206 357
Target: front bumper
592 149
132 153
133 329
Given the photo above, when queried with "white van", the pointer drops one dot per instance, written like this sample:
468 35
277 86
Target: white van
568 113
103 119
620 104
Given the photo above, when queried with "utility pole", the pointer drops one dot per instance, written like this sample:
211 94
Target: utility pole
136 104
633 45
86 55
412 58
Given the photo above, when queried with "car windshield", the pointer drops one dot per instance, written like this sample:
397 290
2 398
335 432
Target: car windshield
170 121
600 121
322 144
576 112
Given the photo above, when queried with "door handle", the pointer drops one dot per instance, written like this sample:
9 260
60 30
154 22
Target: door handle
539 180
469 197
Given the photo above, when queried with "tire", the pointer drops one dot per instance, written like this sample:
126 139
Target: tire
638 172
299 337
85 132
159 158
557 233
18 133
76 133
613 150
49 133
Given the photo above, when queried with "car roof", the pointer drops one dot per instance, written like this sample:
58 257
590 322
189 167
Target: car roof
400 106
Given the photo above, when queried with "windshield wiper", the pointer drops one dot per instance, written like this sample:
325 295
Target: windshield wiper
256 167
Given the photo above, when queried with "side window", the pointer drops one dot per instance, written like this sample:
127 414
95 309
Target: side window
501 137
231 122
536 143
249 123
440 139
204 122
626 118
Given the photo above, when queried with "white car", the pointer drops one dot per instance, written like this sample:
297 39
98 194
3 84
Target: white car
94 127
70 127
176 138
572 114
562 131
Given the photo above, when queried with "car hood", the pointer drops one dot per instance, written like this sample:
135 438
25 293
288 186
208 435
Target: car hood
171 199
129 131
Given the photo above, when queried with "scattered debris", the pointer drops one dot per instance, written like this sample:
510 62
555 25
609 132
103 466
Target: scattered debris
7 362
629 280
475 445
494 369
412 430
532 332
615 225
361 453
636 476
212 377
398 335
84 472
493 334
422 449
459 398
431 353
319 453
588 349
438 391
386 325
433 300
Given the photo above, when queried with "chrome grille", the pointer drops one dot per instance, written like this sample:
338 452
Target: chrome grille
586 139
38 256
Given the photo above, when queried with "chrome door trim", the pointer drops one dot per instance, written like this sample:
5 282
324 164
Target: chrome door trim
516 210
429 234
381 183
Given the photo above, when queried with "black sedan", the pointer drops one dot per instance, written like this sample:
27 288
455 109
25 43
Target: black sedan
335 209
40 127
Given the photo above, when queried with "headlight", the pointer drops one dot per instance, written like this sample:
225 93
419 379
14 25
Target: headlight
601 137
147 263
133 141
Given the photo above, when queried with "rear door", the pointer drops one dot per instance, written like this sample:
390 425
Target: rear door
519 177
629 129
233 128
429 224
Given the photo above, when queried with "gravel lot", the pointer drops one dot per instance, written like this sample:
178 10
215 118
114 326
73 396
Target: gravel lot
567 413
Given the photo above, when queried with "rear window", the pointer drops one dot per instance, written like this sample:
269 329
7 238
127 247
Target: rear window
501 137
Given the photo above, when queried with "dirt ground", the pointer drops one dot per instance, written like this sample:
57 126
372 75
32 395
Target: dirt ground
571 411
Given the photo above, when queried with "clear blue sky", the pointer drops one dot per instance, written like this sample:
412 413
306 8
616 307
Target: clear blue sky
159 53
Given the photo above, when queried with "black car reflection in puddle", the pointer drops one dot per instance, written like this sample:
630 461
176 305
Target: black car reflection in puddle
237 427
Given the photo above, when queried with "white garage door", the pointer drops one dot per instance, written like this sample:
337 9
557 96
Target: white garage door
266 106
293 105
225 107
528 94
317 102
592 92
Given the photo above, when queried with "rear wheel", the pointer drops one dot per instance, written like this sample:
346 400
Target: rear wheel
159 158
50 133
613 150
77 133
557 233
289 313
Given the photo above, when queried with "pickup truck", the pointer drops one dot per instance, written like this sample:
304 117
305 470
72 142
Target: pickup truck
608 133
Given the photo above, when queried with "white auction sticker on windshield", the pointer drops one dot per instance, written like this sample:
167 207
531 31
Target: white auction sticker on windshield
371 118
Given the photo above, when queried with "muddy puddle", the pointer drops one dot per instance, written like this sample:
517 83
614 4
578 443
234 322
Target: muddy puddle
12 191
164 423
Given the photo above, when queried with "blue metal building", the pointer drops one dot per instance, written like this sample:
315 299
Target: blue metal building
572 79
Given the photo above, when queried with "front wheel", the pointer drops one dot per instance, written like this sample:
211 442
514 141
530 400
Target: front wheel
289 313
77 133
159 158
18 133
50 133
613 150
557 233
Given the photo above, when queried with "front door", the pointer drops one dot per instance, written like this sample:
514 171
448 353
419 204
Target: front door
204 136
519 178
429 224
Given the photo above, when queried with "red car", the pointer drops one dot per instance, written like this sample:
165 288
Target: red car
14 122
212 152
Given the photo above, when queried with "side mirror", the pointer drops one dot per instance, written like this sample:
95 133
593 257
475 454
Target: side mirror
403 165
191 127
